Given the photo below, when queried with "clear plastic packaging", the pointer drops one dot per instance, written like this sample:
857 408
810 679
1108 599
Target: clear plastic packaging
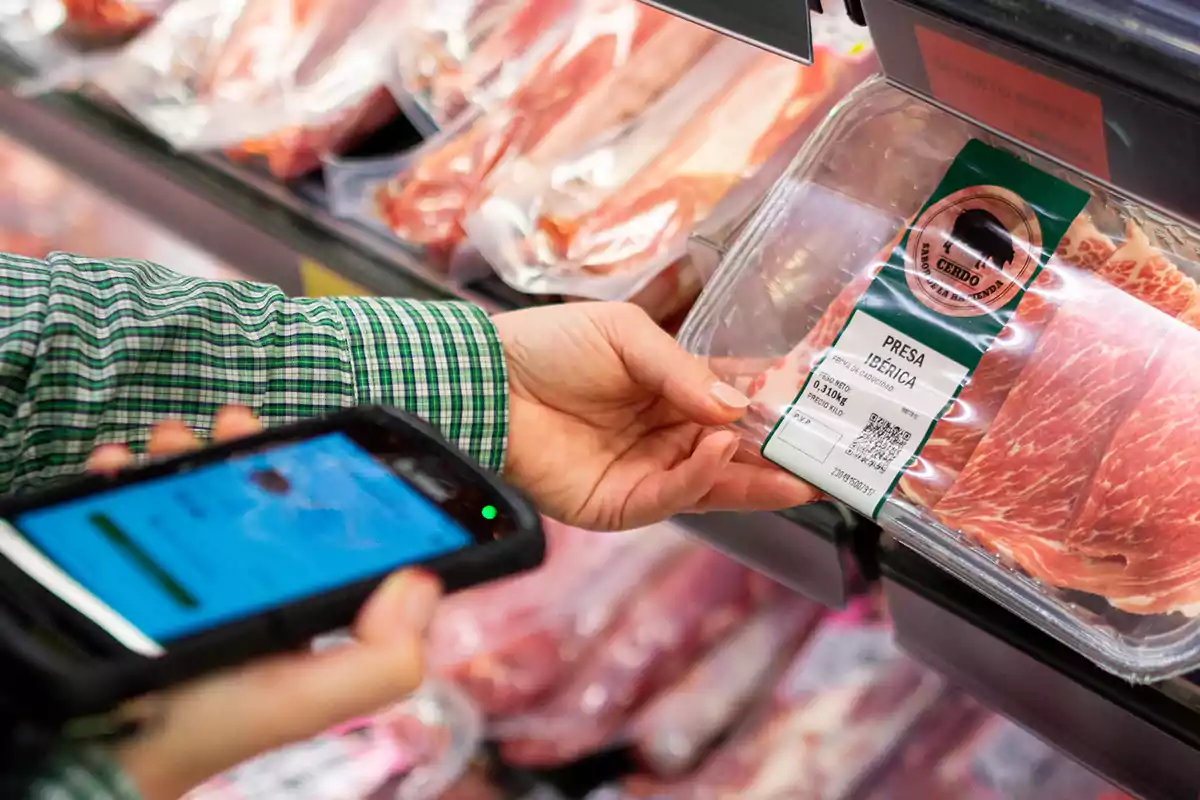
619 56
52 35
674 730
511 643
838 712
959 751
993 357
667 624
467 55
414 751
607 219
303 77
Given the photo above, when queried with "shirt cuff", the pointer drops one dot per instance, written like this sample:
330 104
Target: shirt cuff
84 773
440 361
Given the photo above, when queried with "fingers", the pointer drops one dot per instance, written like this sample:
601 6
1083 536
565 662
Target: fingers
171 437
657 362
684 485
109 459
215 723
235 422
755 487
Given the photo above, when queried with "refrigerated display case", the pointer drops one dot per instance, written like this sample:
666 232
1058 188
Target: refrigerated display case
1103 88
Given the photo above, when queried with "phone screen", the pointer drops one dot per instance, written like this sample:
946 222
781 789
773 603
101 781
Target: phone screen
185 553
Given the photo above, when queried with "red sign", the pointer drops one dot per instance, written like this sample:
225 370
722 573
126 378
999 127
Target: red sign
1058 119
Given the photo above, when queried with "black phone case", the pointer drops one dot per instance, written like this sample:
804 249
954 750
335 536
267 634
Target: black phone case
55 687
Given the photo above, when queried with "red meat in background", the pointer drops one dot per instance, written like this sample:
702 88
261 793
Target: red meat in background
619 57
662 631
508 644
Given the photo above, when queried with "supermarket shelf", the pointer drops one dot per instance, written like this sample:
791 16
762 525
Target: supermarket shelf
823 551
1145 739
275 233
240 217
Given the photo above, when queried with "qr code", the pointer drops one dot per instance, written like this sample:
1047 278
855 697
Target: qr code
879 443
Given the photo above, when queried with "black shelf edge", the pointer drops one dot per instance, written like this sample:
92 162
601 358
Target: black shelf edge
823 550
1140 738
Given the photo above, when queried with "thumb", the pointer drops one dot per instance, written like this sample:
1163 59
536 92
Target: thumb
215 723
658 363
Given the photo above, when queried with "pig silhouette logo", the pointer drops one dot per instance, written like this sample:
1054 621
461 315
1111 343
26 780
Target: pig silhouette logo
979 232
973 251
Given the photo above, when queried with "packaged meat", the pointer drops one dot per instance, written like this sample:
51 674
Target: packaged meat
618 57
510 643
467 55
52 35
299 76
413 751
838 712
674 730
666 625
607 219
959 751
989 355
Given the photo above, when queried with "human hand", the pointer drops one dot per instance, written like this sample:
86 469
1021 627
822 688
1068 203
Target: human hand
198 730
613 425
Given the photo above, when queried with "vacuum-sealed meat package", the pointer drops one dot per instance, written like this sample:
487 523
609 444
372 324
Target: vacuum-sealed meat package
839 711
676 728
667 624
989 355
510 643
468 55
52 36
608 218
413 751
288 80
959 751
617 58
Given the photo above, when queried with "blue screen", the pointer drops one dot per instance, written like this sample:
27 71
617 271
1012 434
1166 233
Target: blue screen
185 553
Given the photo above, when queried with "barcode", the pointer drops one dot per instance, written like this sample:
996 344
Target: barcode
879 443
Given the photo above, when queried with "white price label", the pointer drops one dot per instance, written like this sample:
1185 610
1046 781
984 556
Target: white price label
864 412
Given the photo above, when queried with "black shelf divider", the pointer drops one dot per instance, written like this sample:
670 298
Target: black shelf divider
1142 738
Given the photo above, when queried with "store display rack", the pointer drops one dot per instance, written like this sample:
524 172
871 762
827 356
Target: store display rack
285 236
1080 89
1107 88
1143 738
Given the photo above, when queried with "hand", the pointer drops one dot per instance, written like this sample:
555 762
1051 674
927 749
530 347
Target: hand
203 728
613 425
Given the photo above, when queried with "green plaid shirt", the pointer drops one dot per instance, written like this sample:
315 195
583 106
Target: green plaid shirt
97 351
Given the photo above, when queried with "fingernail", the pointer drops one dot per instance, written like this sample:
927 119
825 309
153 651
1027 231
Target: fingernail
420 594
728 396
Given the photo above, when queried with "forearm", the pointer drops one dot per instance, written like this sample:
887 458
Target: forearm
96 352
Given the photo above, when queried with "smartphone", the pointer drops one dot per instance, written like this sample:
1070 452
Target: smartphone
111 587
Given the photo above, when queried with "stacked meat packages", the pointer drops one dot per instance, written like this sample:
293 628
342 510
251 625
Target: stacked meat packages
961 752
47 32
605 213
455 58
286 81
609 643
602 132
1036 414
839 710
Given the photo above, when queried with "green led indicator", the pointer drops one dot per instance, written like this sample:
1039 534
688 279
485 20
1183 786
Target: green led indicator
489 512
